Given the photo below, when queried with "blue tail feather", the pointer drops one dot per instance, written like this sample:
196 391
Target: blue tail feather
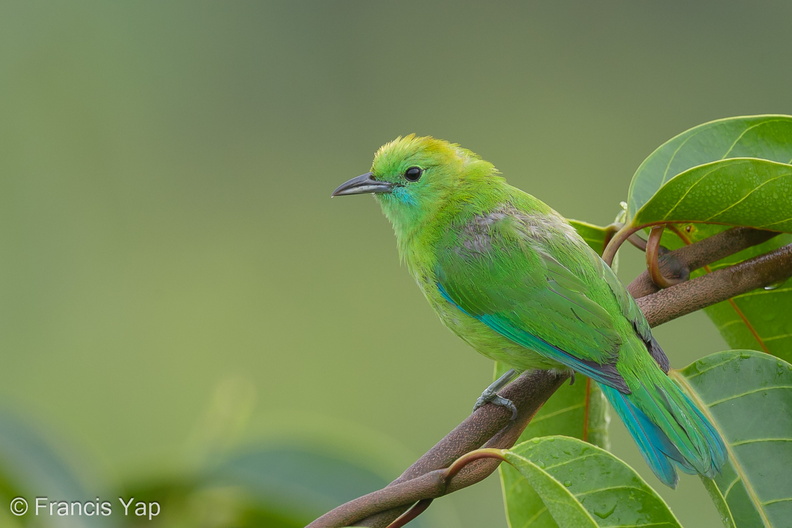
647 435
696 446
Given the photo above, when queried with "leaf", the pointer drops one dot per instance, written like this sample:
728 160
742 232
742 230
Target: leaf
31 467
581 485
594 235
766 137
733 171
755 319
745 191
578 411
279 483
299 482
748 396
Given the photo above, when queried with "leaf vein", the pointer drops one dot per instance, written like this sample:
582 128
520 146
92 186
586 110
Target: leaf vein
759 440
774 223
571 460
556 413
730 486
749 193
782 336
687 191
734 143
710 367
749 489
673 157
611 488
763 292
663 523
754 391
773 501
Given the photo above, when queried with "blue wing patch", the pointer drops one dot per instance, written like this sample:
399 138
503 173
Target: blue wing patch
602 373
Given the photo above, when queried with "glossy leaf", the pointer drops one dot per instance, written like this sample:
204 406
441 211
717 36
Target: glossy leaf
594 235
579 410
580 485
745 192
748 396
766 137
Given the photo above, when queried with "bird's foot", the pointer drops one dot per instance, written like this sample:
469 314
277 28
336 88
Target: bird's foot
490 394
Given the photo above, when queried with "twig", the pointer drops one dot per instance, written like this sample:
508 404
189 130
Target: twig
489 426
682 261
717 286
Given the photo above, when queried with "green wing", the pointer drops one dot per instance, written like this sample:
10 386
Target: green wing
533 280
629 308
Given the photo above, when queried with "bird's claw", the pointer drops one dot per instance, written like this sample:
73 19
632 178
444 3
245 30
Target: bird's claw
490 394
496 400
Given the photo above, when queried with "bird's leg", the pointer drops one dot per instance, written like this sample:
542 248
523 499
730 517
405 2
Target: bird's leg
490 394
572 378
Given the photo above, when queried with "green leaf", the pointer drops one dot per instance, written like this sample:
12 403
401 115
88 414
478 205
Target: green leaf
732 171
745 191
748 396
581 485
578 410
31 467
755 319
767 137
594 235
278 483
299 478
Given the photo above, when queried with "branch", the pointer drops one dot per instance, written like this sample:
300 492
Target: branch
490 426
717 286
677 265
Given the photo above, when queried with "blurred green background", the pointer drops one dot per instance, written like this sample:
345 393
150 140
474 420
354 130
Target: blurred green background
176 280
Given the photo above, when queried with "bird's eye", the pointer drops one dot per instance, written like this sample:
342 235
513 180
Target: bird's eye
413 174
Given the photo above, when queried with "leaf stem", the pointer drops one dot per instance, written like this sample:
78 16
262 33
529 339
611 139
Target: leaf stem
417 509
623 234
637 241
653 249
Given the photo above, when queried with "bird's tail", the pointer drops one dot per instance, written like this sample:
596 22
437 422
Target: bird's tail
668 428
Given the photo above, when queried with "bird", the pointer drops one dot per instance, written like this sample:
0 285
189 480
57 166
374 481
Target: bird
514 279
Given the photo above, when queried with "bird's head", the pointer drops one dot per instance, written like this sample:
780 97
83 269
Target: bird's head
414 177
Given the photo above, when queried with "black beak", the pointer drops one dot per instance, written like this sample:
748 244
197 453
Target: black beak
363 184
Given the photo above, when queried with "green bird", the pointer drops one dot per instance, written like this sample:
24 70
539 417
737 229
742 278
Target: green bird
513 279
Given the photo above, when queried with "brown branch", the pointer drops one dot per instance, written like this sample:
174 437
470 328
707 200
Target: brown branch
677 265
490 426
717 286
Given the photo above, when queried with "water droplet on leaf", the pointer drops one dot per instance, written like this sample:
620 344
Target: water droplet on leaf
775 285
603 513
